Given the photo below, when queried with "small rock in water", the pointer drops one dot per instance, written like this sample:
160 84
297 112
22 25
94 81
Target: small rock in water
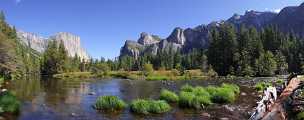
224 118
243 94
231 109
3 90
73 114
2 118
92 93
206 114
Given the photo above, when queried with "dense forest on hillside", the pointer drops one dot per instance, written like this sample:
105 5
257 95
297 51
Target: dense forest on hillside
16 59
243 52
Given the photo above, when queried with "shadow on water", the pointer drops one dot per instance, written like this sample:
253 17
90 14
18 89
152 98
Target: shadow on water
52 99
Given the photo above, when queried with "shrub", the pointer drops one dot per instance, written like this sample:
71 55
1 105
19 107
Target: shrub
149 106
300 116
168 96
175 72
110 103
187 88
148 69
9 102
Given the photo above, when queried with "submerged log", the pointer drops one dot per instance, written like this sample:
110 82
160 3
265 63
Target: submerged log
268 109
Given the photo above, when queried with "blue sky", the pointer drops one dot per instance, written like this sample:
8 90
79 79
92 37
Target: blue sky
104 25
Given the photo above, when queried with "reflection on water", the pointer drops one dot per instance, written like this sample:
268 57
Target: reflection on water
51 99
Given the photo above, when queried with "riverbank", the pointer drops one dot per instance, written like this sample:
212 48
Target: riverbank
139 75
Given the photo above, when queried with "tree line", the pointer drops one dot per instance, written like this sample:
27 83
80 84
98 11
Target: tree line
241 52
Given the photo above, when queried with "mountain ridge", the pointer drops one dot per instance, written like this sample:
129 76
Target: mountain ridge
289 19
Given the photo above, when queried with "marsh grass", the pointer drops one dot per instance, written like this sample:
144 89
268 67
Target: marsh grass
168 96
109 103
194 97
142 106
199 97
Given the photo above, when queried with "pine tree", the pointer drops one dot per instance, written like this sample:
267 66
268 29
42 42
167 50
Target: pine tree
266 64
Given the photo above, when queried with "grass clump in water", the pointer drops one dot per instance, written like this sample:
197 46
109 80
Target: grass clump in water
9 103
196 97
168 96
187 88
262 86
199 97
109 103
141 106
225 94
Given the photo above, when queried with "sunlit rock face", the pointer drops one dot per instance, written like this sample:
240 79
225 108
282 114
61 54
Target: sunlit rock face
32 40
71 42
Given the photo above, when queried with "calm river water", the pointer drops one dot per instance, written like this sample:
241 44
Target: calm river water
52 99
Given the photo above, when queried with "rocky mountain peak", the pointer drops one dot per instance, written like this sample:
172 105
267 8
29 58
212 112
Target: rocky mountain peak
147 39
177 36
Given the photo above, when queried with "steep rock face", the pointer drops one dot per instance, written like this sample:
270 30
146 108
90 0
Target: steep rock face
289 19
252 18
131 48
146 39
71 43
32 40
177 36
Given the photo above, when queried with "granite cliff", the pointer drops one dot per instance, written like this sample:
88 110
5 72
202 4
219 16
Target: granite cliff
38 43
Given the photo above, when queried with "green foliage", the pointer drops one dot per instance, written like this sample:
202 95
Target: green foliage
148 69
9 103
100 69
1 79
157 77
266 64
168 96
191 97
109 103
262 86
187 88
300 116
141 106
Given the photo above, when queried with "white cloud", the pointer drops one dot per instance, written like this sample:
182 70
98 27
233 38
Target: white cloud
277 10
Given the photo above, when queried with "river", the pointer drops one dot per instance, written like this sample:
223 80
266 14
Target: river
52 99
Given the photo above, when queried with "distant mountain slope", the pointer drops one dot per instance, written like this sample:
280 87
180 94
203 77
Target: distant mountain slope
38 43
290 19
